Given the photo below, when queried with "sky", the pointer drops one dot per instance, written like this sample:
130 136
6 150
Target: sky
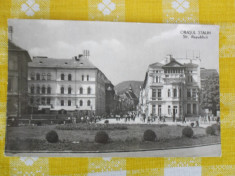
122 51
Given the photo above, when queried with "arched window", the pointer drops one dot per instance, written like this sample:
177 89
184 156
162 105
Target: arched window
81 90
62 90
69 103
62 76
88 90
48 76
43 89
88 103
38 76
32 76
81 103
48 90
87 77
38 90
70 77
82 77
32 89
69 90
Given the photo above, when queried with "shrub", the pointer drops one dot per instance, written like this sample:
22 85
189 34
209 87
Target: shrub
106 121
150 135
52 137
187 132
101 137
210 131
216 128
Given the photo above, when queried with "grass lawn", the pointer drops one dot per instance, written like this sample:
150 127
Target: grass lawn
29 138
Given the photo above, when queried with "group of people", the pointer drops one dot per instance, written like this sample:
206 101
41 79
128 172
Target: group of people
128 116
152 118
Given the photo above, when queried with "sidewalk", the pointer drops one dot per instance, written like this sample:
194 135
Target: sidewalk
139 121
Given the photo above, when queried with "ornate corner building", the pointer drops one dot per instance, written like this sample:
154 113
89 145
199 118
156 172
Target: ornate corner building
171 88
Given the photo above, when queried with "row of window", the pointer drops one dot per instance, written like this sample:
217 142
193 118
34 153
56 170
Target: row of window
47 101
69 103
47 76
191 109
157 93
47 90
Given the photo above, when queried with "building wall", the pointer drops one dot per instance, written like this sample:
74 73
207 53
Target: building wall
17 99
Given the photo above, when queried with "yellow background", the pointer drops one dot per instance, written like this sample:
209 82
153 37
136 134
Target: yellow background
220 12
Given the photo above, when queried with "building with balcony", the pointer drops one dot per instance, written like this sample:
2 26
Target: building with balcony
171 88
66 86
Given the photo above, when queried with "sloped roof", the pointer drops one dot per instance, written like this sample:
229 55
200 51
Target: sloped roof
192 65
156 65
12 47
205 73
173 63
61 63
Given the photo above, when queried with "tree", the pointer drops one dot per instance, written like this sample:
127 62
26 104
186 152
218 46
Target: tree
210 95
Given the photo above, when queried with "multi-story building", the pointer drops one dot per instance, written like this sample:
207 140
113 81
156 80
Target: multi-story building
17 99
171 88
66 86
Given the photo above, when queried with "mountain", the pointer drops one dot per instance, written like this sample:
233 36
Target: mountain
124 86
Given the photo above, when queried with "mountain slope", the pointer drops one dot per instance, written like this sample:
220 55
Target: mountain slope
124 86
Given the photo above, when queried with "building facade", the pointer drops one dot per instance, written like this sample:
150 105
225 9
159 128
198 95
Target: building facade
171 88
66 86
17 99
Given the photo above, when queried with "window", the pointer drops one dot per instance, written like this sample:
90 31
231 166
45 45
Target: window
69 103
62 90
48 101
31 100
188 93
32 76
62 76
31 89
175 110
10 84
188 108
174 92
194 109
48 90
70 77
87 77
169 110
194 94
153 109
157 79
43 76
191 78
48 76
154 94
38 101
82 77
159 110
38 76
88 103
62 102
81 90
43 90
159 93
38 90
88 90
169 92
81 103
43 101
179 92
69 90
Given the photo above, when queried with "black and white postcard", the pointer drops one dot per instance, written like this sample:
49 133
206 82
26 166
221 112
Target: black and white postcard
80 88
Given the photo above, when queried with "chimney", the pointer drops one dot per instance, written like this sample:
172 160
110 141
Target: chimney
86 53
168 58
10 32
